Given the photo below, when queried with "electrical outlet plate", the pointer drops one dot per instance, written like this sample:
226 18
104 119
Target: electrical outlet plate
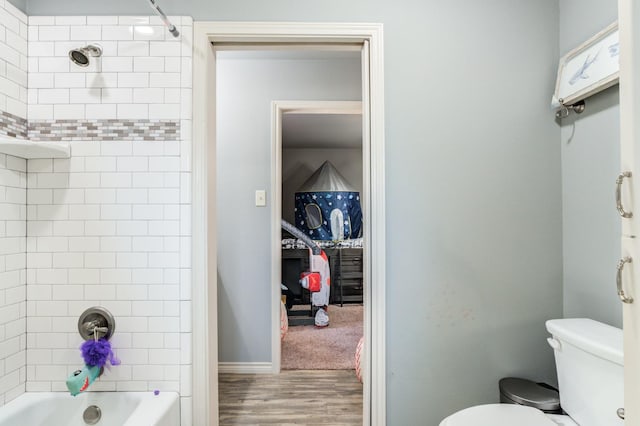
261 198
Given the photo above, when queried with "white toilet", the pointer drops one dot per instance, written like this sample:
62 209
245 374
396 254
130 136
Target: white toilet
590 378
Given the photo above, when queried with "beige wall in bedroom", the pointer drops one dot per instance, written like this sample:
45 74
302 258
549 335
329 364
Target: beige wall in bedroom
298 164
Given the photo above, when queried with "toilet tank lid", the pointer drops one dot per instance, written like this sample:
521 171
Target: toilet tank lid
591 336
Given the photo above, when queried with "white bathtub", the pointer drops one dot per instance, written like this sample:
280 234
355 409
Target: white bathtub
117 408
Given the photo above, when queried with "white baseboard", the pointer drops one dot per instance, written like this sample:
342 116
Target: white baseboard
245 367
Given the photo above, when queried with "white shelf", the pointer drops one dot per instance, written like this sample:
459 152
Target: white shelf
31 150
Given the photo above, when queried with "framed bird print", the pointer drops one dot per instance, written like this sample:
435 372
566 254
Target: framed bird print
589 68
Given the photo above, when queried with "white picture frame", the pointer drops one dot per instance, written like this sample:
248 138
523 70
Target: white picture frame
589 68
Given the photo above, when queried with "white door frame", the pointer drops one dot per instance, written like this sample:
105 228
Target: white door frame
628 22
278 108
204 285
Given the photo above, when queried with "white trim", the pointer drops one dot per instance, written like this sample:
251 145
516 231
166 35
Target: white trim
320 107
238 47
365 358
629 22
205 321
276 245
278 108
245 368
375 354
205 348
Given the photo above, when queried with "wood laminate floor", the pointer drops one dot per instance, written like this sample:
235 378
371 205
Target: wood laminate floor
294 397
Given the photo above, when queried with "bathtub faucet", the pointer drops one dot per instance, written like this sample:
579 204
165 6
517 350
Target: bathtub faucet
102 330
93 327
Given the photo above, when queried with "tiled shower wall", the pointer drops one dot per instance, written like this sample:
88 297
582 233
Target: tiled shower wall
13 183
13 71
111 225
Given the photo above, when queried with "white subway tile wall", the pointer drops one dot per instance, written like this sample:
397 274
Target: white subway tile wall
134 91
13 198
13 71
13 215
109 226
104 229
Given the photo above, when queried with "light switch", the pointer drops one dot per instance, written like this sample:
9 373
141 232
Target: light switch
261 198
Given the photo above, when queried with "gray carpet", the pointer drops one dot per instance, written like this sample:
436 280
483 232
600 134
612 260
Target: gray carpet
306 347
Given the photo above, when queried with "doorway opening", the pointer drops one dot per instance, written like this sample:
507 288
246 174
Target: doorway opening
250 160
321 179
205 238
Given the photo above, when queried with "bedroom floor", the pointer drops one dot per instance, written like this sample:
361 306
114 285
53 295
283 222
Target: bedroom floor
300 397
306 347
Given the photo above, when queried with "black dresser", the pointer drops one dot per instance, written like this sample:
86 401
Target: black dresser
346 264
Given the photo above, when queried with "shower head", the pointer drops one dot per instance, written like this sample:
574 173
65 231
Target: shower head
81 56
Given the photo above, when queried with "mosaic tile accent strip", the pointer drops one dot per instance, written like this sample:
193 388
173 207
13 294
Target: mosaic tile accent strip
103 130
12 125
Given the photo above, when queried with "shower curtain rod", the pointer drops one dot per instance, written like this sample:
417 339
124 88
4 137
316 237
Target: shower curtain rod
172 28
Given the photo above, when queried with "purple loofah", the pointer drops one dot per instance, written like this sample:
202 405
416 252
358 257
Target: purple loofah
98 352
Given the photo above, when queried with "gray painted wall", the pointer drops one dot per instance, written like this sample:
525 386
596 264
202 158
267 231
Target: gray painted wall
20 4
474 264
590 164
246 88
298 164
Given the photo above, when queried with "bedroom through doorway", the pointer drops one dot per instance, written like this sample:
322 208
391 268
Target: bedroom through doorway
322 185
